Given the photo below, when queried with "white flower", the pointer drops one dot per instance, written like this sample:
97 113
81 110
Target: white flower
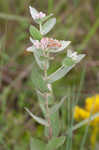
35 14
74 56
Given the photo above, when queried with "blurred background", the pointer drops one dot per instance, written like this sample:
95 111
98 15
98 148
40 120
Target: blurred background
77 21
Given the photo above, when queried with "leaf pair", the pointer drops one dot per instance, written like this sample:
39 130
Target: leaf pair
45 28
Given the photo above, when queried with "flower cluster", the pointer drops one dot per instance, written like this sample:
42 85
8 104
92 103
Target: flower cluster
49 44
46 43
91 106
35 14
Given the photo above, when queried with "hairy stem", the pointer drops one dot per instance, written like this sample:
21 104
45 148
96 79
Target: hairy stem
46 105
46 96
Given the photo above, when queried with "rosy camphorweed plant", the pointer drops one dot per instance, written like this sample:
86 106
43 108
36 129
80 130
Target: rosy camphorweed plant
42 48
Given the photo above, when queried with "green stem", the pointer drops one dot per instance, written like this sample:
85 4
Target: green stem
46 105
46 96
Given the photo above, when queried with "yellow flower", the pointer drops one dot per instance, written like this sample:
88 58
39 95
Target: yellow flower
92 103
80 113
91 106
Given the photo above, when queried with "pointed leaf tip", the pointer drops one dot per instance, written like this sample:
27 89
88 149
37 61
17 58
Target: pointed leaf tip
38 119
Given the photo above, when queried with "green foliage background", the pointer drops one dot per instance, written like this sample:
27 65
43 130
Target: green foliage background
77 21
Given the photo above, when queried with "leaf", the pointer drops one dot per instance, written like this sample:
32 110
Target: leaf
55 124
38 81
37 119
48 26
57 106
31 49
61 72
33 12
37 144
64 45
41 98
82 123
68 62
37 58
81 56
35 33
86 121
40 60
55 143
46 17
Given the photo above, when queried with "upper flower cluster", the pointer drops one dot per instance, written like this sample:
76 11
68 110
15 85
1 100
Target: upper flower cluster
35 14
50 45
91 106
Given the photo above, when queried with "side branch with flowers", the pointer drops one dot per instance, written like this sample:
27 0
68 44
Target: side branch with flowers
42 48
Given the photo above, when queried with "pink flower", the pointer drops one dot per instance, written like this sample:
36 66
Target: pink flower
35 14
44 43
41 15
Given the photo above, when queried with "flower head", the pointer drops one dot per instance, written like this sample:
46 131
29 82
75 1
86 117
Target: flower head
91 106
35 14
45 43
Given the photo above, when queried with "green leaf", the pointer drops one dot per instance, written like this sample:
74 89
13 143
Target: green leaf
33 12
55 143
35 33
37 56
68 62
37 119
41 98
55 124
46 17
61 72
38 80
40 60
37 144
48 26
57 106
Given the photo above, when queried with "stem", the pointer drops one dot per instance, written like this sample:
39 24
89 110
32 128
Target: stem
46 96
46 105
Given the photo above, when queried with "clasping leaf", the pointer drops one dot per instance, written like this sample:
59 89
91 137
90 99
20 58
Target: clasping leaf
45 28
